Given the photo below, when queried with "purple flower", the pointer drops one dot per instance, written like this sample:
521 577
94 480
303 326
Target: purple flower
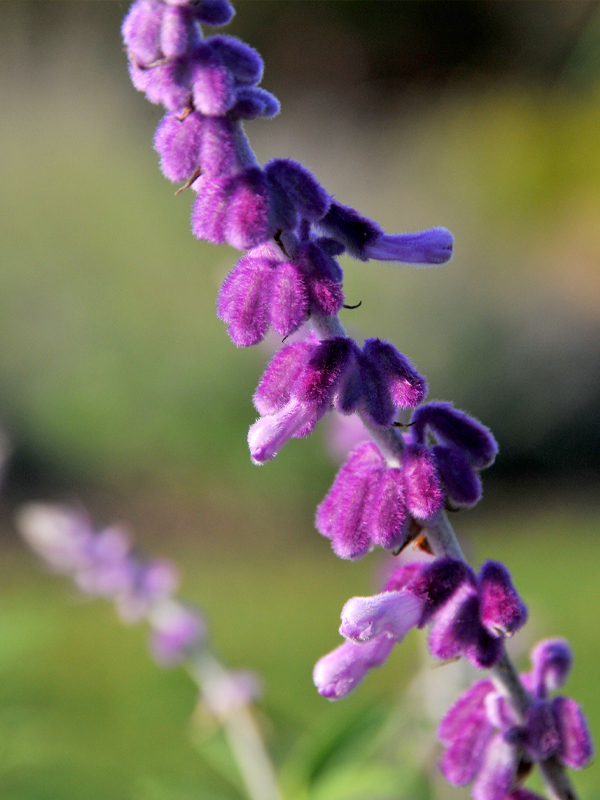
175 630
487 743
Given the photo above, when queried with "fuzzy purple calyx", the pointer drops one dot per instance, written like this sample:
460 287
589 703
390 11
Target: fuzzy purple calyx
552 660
501 609
252 102
212 12
242 61
338 673
430 247
293 180
455 429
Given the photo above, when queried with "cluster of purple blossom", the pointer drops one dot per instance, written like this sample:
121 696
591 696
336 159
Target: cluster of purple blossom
394 489
104 565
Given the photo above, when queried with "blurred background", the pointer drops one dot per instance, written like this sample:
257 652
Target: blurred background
120 391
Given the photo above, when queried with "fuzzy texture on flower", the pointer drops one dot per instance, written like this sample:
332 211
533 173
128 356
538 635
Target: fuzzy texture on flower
370 503
104 565
444 592
487 743
464 447
337 674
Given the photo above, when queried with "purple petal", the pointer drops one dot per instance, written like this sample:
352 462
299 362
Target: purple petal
268 434
433 246
347 226
343 514
244 300
277 383
424 495
466 733
141 31
252 102
502 610
241 60
213 12
391 613
498 771
306 194
217 151
247 210
552 660
289 300
388 515
460 482
456 429
543 739
178 144
576 747
337 674
211 82
437 582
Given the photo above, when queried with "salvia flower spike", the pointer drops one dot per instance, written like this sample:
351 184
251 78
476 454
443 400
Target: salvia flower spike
390 491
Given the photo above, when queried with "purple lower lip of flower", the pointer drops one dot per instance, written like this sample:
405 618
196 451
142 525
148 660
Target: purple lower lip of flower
431 247
338 673
390 613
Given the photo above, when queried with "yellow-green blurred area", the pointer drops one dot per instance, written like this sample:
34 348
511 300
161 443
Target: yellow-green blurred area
120 389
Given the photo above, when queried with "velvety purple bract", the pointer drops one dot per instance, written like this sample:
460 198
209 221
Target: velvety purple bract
501 609
426 247
252 102
296 182
388 512
406 387
465 731
241 60
542 734
177 31
455 429
178 144
497 771
213 12
424 496
217 154
575 748
248 210
243 302
552 660
211 83
460 482
277 383
435 583
337 674
141 31
289 300
347 226
165 84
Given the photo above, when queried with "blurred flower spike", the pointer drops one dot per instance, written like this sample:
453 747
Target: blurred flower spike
104 565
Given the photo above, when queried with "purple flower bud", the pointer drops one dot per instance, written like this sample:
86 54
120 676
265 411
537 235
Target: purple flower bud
435 583
552 660
497 772
276 385
227 693
433 246
347 226
211 83
141 31
213 12
244 299
289 300
177 33
576 748
455 429
268 434
241 60
542 735
178 144
424 496
174 631
501 609
337 674
466 732
252 102
389 613
387 511
343 516
460 482
307 195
